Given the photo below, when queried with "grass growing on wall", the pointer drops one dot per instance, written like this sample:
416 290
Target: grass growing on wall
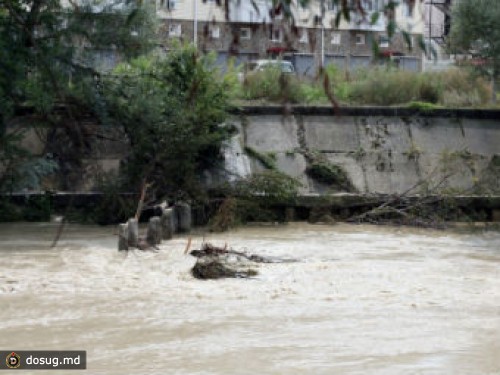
268 160
322 170
423 106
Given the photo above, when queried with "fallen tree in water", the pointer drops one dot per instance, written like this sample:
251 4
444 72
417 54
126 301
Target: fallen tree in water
220 262
421 205
425 212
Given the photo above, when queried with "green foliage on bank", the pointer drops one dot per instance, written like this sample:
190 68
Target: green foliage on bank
323 171
172 106
268 160
475 32
270 84
49 69
253 198
36 208
272 187
383 86
174 112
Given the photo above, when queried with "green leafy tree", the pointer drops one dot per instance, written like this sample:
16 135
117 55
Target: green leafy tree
173 111
47 69
476 30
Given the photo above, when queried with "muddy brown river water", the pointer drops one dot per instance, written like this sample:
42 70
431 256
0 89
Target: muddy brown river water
361 300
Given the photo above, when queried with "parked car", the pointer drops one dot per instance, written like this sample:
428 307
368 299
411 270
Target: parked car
286 67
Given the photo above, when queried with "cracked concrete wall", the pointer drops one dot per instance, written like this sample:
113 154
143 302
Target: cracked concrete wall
381 154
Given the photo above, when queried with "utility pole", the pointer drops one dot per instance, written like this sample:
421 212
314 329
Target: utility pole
195 23
431 5
322 57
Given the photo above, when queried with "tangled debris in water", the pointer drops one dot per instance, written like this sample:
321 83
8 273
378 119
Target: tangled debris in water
220 262
215 269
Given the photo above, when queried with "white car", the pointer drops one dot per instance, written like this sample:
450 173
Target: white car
284 66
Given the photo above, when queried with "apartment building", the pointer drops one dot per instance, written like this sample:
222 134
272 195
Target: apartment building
247 30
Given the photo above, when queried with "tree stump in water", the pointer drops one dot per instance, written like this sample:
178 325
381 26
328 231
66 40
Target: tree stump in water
153 235
123 237
184 216
495 216
133 232
167 223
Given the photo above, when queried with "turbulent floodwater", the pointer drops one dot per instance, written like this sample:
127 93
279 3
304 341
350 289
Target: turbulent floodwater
362 300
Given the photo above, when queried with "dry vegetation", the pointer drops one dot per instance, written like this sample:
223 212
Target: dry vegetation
376 86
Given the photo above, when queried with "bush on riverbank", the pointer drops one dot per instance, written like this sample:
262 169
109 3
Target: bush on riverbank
252 199
272 85
173 110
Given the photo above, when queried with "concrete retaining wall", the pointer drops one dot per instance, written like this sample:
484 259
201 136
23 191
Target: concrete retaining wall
383 150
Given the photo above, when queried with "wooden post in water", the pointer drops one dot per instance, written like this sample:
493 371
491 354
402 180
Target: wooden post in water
167 223
153 235
133 232
175 219
184 216
123 237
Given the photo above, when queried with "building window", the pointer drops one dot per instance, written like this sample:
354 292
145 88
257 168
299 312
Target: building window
408 10
336 38
304 37
383 41
168 4
367 5
174 30
330 5
245 33
373 5
360 39
275 34
215 32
